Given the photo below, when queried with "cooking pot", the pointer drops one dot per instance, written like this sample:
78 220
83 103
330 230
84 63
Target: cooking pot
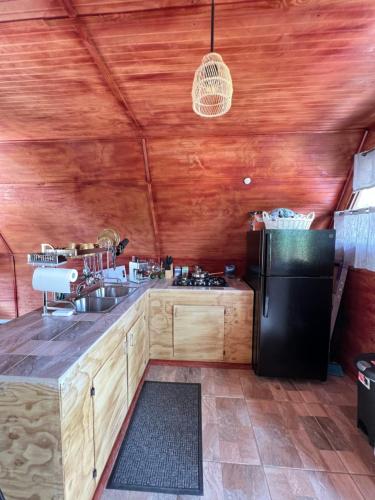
198 273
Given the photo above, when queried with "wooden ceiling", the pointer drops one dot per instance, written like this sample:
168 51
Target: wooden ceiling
303 65
97 129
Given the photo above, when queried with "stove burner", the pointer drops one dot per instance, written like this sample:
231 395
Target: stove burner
211 281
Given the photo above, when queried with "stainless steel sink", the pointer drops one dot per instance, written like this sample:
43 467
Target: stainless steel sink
95 304
113 291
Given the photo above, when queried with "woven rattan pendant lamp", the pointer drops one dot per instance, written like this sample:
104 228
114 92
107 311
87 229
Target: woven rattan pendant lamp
212 86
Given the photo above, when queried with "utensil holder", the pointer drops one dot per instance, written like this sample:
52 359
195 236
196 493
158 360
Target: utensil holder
169 273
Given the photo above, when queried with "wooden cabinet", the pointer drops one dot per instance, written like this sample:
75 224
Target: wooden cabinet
90 422
237 307
198 332
79 426
30 437
138 347
77 431
110 403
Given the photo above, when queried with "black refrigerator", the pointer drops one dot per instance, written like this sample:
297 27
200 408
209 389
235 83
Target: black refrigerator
291 273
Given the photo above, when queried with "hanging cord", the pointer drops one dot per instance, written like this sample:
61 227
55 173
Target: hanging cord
212 24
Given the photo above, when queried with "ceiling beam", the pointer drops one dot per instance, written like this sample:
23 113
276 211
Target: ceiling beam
90 45
184 135
151 199
9 250
70 6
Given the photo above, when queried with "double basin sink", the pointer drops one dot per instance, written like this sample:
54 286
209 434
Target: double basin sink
103 299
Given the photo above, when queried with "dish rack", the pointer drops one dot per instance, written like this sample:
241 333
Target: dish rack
59 256
299 221
53 257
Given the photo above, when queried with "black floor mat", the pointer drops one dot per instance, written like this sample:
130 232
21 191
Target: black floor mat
162 449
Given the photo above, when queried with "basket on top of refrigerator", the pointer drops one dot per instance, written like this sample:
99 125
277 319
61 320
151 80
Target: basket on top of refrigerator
280 218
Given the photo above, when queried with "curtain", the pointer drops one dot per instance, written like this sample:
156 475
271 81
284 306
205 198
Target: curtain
364 170
355 238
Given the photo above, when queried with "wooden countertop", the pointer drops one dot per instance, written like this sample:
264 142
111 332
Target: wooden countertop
44 348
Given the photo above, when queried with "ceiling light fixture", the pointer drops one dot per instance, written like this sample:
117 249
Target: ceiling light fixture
212 87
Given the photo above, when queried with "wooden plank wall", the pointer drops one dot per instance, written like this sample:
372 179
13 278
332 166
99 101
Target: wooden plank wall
66 191
356 320
59 192
202 203
97 130
7 303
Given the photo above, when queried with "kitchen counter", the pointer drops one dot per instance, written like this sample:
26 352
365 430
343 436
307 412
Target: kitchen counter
44 348
66 384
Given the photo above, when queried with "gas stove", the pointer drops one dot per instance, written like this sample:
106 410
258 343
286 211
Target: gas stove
211 281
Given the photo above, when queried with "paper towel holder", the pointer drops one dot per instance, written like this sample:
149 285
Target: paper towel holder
48 309
40 283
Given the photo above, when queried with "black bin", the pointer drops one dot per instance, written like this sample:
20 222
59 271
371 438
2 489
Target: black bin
365 364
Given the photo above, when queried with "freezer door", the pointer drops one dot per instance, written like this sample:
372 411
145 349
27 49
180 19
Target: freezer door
294 325
297 252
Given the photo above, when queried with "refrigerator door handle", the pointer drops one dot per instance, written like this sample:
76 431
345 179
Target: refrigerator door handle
266 306
262 248
266 301
269 253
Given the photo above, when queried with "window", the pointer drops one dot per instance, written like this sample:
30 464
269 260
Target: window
355 228
364 199
355 238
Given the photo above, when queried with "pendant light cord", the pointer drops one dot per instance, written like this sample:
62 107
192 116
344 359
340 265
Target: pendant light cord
212 24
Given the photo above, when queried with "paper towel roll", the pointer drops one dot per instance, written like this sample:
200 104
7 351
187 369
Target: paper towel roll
51 279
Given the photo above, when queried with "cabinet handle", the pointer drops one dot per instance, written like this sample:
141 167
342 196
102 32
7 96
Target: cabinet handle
131 340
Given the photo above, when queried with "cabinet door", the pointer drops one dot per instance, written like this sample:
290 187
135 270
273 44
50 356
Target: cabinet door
109 404
137 354
160 324
77 431
198 332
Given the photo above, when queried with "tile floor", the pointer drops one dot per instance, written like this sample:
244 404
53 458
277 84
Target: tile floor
274 439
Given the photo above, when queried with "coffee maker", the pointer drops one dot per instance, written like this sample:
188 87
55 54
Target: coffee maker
137 271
